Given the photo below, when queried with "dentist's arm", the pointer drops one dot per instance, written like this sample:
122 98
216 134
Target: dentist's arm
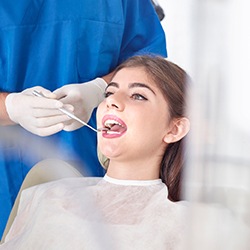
38 115
4 118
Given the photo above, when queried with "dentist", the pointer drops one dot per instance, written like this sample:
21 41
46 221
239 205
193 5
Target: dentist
70 47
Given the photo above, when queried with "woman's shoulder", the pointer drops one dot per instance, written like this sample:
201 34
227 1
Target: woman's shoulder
62 185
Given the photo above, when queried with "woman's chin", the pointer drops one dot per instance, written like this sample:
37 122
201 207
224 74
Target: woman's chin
111 152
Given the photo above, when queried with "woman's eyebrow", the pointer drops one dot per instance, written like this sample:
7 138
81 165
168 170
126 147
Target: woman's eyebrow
140 85
131 85
112 84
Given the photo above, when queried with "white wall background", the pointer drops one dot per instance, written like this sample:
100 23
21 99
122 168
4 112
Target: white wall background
177 26
211 40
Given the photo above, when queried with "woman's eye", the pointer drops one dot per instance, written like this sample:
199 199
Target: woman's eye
107 94
138 97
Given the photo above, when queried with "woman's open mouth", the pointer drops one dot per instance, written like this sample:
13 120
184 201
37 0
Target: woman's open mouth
115 126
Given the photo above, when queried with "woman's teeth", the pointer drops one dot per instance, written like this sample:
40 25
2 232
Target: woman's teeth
112 132
110 123
114 127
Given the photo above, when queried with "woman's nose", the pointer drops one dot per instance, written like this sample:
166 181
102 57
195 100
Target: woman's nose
115 101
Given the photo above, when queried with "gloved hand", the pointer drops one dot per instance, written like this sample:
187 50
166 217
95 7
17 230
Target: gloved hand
38 115
84 97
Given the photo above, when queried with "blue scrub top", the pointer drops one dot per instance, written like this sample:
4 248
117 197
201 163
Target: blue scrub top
53 43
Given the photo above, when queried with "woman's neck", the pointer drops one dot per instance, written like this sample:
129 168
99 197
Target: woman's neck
133 171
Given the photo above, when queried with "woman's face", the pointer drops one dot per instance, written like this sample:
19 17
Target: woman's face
138 117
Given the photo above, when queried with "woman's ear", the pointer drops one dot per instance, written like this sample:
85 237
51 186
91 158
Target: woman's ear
178 130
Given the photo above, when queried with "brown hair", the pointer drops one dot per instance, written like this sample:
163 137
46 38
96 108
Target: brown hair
171 80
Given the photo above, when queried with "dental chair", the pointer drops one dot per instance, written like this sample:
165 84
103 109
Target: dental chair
44 171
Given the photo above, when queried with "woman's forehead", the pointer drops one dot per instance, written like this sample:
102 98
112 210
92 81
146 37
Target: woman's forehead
133 74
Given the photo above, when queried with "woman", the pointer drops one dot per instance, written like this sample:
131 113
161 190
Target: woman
132 206
170 81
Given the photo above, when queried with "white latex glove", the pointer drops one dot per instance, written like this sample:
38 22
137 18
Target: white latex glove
38 115
84 97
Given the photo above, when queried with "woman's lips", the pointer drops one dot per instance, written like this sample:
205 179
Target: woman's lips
116 126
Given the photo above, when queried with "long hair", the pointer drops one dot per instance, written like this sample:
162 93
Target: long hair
172 82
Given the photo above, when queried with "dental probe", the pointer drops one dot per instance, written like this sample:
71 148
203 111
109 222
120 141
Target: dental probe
36 93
